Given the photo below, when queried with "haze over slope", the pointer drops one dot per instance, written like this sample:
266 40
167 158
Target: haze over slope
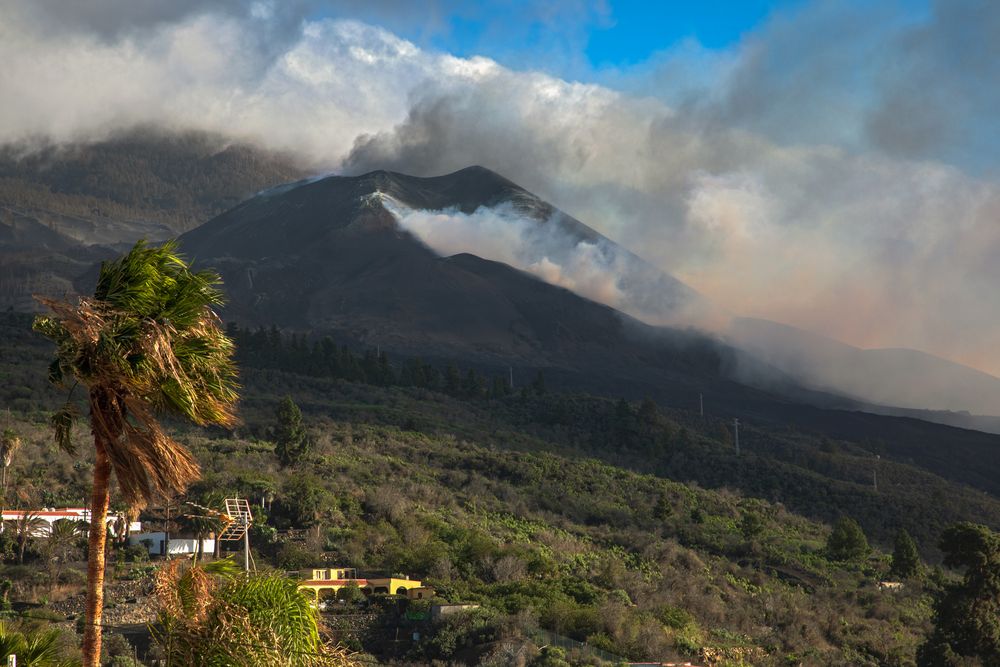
890 377
65 207
337 254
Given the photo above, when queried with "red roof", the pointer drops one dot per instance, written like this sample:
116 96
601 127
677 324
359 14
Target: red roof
75 513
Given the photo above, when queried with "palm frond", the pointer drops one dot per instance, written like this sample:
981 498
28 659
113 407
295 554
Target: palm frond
62 421
147 343
10 442
41 648
11 640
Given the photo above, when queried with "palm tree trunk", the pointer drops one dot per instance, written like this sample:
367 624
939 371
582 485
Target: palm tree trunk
95 556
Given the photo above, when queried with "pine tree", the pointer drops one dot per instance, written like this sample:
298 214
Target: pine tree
649 415
538 384
905 558
847 541
967 613
452 380
291 442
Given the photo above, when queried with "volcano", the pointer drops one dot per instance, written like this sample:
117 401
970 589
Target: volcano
328 255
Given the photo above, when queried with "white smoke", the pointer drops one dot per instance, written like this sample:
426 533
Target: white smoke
504 234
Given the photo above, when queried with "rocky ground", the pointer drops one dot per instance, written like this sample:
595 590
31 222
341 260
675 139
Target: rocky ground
126 602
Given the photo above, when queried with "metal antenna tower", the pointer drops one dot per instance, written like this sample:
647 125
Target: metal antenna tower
736 435
238 521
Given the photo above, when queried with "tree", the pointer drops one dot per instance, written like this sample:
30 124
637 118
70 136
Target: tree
291 442
550 656
751 525
452 380
25 528
146 343
847 541
201 525
905 558
967 613
61 546
649 416
303 499
538 384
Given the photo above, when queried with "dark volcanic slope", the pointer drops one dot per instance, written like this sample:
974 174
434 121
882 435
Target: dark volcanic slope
311 212
326 256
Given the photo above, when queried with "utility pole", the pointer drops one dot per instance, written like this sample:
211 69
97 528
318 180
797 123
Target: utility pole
878 458
701 405
511 368
166 529
736 435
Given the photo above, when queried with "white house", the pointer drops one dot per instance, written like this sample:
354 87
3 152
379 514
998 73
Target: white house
50 516
179 544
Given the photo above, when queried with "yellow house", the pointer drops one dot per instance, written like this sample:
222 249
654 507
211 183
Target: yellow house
325 582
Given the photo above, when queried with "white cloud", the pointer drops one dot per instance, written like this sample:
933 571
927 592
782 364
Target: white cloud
850 241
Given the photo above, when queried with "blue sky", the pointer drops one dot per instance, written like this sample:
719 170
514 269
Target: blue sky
639 29
576 38
570 37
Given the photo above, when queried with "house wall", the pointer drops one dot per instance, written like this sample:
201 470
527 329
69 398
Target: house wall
71 514
179 546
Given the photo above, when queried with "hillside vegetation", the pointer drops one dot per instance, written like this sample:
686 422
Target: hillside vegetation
178 180
584 516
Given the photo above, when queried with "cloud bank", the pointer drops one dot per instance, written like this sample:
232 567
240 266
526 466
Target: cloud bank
838 171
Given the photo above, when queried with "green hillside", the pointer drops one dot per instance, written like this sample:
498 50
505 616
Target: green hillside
632 529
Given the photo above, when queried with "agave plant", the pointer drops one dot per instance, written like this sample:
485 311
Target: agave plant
212 615
147 343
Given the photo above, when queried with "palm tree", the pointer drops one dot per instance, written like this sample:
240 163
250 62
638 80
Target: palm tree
26 527
33 647
147 343
200 525
61 546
